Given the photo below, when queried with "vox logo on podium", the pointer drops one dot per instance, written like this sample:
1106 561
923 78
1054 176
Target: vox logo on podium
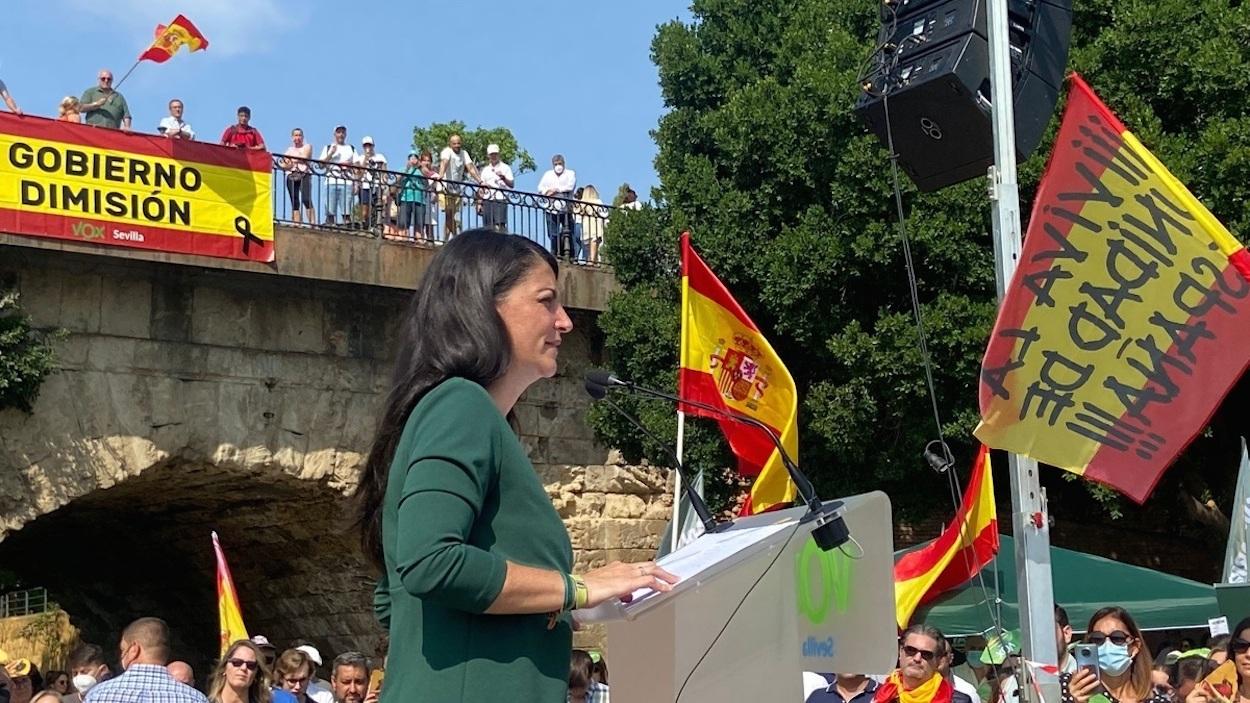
822 581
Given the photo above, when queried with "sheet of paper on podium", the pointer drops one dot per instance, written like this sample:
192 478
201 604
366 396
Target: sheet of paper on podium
699 559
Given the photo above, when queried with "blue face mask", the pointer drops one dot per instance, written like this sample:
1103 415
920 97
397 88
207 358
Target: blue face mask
1114 658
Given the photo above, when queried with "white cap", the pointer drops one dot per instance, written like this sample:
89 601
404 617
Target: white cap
492 149
262 641
312 653
367 140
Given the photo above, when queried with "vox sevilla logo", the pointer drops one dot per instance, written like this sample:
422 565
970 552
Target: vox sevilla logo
823 581
86 230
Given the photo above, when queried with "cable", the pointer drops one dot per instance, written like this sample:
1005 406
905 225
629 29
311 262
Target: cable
922 340
738 607
862 551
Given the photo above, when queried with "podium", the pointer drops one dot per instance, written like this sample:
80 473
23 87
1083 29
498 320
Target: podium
759 604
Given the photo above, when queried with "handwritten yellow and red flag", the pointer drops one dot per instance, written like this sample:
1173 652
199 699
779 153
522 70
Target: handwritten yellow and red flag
726 362
967 544
173 36
229 615
1128 319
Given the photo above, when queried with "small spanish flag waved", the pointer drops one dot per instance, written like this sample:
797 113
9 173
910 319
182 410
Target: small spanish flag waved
173 36
964 547
229 616
727 363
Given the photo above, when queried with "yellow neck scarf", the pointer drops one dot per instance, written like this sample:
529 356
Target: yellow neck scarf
920 694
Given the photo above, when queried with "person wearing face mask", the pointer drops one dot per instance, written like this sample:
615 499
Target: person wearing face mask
558 184
144 656
87 668
1124 666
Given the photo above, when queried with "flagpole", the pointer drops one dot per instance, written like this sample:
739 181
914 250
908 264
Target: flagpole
681 459
118 84
1030 522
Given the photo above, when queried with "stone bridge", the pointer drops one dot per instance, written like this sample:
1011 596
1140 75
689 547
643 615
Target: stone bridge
199 394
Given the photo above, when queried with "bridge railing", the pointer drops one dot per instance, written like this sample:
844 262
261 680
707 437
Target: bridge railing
370 202
30 601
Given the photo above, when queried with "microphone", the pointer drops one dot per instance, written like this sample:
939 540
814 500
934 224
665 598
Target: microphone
830 531
598 391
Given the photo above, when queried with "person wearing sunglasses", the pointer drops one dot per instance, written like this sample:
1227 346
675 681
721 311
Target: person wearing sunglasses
1125 668
144 654
917 679
104 107
1239 653
240 676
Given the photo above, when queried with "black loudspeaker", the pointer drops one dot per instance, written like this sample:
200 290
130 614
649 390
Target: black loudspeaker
933 66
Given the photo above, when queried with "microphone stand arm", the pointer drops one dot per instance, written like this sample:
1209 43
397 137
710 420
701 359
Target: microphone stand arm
696 501
830 531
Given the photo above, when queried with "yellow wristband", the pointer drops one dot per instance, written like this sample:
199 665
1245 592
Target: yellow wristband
581 593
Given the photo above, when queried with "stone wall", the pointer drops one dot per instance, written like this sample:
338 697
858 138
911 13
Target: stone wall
191 400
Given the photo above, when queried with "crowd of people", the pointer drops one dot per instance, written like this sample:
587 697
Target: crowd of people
358 190
1121 668
250 671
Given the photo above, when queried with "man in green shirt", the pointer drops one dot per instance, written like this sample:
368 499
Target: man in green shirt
104 107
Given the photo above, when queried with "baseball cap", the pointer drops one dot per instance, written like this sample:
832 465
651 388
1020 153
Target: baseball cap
340 128
262 641
367 140
312 653
492 149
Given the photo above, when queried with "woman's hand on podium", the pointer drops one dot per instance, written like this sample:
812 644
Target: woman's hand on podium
620 580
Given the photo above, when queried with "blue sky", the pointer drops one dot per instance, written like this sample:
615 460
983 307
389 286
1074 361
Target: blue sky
574 78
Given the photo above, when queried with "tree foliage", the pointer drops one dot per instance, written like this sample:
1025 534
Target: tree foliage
789 199
474 141
25 357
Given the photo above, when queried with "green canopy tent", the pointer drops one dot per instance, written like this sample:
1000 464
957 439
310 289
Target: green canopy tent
1083 584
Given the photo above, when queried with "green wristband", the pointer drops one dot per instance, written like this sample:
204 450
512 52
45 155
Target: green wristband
570 593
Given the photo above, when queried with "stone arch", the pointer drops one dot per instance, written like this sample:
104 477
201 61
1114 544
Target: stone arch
142 547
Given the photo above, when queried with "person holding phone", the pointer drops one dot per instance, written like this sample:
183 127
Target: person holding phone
1112 664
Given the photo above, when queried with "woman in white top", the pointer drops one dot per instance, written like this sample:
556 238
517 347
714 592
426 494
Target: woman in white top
591 215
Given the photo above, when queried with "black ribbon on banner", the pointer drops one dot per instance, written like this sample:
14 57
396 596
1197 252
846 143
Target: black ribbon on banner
243 227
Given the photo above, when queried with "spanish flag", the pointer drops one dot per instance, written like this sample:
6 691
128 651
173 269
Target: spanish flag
727 363
229 616
173 36
964 547
1128 319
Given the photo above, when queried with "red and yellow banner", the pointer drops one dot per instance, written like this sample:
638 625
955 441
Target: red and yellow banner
967 544
727 363
173 36
229 615
1127 320
64 180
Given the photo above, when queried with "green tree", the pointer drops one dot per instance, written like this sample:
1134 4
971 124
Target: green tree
475 141
789 199
26 357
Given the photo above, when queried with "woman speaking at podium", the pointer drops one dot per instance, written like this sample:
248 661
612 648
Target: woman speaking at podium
477 579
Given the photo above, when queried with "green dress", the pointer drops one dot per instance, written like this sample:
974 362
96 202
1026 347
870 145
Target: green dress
462 499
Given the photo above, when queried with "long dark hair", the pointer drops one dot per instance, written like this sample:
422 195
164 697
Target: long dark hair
452 329
1139 677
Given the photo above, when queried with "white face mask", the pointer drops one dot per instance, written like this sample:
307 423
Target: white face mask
559 169
84 682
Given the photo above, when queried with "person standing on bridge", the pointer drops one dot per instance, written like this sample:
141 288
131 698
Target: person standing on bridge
104 107
477 580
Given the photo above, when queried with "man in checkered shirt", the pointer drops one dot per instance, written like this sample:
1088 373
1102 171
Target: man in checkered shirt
144 654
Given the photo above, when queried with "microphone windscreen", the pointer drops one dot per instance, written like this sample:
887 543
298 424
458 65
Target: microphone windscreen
596 390
599 377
